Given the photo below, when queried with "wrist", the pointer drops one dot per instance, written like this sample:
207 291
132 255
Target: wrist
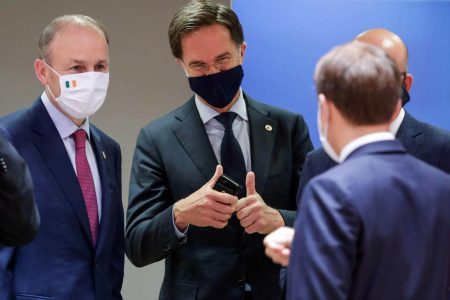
278 220
178 219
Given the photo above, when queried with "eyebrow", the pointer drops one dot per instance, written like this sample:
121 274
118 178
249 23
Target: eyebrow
196 62
82 62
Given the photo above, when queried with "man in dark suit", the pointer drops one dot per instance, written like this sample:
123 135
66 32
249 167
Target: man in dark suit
76 170
19 218
424 141
211 242
376 226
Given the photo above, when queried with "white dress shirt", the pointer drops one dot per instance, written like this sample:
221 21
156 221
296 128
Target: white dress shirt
215 130
364 140
66 128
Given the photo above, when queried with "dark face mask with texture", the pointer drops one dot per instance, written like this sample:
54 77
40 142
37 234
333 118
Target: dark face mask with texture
220 88
405 95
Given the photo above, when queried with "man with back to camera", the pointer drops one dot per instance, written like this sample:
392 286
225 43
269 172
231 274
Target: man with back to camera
426 142
376 225
421 140
19 218
211 241
76 171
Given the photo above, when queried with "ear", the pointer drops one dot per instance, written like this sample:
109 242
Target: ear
41 71
243 47
408 81
324 104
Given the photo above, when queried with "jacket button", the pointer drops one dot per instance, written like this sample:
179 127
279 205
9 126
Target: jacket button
166 248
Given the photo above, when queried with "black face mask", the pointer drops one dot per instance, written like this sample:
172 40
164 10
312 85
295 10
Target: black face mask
405 95
220 88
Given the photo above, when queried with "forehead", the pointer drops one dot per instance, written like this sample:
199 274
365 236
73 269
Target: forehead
78 43
206 43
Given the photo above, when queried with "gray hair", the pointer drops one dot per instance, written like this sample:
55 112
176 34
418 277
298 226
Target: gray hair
60 23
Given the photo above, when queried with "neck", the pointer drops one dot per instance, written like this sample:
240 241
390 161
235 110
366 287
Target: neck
349 133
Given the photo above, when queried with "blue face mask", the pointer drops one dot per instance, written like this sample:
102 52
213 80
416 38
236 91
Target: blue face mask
218 89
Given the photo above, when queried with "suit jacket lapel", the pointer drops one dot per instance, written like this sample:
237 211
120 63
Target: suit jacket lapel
410 134
192 136
263 131
54 154
101 158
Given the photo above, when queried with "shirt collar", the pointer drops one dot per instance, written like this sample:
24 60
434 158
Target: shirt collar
363 140
207 113
395 125
65 126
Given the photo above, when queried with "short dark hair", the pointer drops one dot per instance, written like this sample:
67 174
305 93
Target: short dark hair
197 14
361 80
61 22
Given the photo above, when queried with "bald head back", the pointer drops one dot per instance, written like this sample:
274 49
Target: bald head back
390 42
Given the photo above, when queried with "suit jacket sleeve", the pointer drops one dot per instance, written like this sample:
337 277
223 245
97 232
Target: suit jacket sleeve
150 234
301 147
324 248
117 263
19 218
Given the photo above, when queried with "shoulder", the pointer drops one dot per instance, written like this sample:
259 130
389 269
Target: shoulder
172 118
430 132
271 110
319 160
103 136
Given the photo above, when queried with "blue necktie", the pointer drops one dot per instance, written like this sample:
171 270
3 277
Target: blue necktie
231 155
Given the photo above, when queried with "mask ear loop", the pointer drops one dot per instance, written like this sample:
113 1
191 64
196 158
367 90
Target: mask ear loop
59 76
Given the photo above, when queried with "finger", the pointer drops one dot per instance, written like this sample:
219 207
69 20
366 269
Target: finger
223 208
218 224
219 216
249 220
217 174
250 183
224 198
252 228
242 203
245 209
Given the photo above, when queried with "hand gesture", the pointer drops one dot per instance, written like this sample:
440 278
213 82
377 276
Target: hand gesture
205 207
254 214
278 245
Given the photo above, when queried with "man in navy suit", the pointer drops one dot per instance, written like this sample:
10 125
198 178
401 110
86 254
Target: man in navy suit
76 170
376 226
211 242
424 141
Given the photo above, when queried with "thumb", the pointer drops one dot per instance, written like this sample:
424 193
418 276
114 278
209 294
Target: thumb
250 183
217 174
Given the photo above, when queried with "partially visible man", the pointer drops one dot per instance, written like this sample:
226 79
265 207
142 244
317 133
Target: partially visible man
212 243
19 218
76 171
375 226
424 141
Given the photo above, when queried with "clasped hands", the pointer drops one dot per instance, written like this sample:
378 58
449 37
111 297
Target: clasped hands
208 207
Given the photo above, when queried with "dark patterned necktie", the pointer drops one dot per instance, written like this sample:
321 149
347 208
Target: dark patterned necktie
86 181
231 155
